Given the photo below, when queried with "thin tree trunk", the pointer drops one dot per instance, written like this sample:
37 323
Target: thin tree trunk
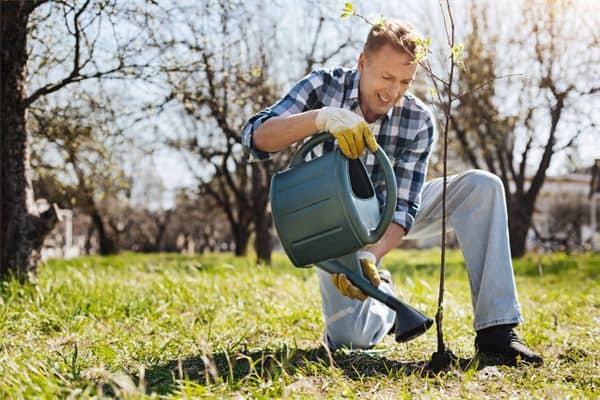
263 243
240 237
88 239
263 239
161 226
22 228
106 244
519 222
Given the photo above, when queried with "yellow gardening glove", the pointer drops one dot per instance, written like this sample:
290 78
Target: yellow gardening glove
369 269
350 130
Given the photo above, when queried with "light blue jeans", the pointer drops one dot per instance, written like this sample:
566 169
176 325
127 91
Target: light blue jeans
476 211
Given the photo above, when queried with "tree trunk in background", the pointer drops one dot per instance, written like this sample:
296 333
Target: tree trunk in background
519 223
161 226
88 239
263 222
263 241
106 244
22 228
240 237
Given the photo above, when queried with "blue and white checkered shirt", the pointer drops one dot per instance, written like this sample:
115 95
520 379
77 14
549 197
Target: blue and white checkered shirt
406 133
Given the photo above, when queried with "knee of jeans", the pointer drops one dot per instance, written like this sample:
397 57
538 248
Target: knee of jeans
484 182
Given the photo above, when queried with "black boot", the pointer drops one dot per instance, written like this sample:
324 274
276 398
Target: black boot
501 345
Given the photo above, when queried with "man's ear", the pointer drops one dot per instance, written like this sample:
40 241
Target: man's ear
362 60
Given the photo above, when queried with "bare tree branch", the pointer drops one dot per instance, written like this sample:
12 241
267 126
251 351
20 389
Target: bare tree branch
484 84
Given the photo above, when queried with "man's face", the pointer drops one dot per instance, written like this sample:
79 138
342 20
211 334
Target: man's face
385 75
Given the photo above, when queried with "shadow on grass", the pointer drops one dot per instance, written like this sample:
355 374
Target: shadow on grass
237 368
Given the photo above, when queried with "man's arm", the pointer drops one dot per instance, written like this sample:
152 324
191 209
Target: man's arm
350 130
411 162
411 175
279 132
303 112
293 118
390 240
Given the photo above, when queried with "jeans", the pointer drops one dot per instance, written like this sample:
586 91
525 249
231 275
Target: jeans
476 211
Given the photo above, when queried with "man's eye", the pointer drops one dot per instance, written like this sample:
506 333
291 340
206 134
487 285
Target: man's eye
386 77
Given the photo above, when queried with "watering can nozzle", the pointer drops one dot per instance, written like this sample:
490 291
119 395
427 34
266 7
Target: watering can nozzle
410 323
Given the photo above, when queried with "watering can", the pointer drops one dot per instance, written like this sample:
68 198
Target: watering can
325 210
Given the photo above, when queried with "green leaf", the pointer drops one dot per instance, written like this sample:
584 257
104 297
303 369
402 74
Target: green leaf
457 49
424 45
348 7
345 15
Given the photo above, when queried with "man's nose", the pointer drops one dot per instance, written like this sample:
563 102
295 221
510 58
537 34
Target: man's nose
393 89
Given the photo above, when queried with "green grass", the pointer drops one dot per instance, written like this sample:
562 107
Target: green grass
216 326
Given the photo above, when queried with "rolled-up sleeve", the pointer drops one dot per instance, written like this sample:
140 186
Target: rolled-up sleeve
304 96
410 167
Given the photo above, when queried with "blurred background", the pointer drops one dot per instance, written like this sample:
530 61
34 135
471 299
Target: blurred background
134 111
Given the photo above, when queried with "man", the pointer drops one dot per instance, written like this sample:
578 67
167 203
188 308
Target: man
371 107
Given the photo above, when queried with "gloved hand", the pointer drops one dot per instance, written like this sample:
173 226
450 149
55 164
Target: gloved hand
369 269
350 130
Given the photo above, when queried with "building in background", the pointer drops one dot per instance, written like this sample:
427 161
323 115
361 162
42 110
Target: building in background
566 213
61 243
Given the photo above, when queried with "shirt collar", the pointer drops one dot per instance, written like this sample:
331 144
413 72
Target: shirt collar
353 95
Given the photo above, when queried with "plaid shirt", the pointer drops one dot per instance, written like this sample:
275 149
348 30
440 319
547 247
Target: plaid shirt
406 133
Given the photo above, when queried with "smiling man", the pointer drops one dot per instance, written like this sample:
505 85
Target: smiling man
371 106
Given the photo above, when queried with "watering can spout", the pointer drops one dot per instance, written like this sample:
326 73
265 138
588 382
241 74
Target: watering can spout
410 323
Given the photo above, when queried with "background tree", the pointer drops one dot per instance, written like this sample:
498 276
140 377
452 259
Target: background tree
550 45
199 219
78 163
65 35
147 209
230 72
566 216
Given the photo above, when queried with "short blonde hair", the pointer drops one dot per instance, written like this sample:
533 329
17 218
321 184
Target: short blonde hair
401 35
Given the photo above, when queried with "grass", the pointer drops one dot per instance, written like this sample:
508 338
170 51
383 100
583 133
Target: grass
217 326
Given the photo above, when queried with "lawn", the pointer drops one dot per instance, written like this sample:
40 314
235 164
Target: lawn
170 326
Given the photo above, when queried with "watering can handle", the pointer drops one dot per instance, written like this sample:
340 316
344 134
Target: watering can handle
300 155
388 173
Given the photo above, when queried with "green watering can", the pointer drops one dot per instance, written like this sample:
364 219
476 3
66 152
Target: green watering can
325 210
